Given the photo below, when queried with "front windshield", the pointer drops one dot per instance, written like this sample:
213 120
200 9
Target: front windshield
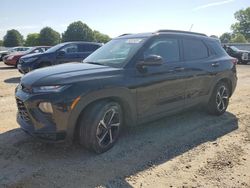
55 48
115 53
234 48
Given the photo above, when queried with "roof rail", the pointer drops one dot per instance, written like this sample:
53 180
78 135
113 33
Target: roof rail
178 31
124 34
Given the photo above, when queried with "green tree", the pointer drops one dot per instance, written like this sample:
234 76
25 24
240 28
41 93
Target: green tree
238 38
13 38
99 37
225 37
78 31
49 37
1 42
32 39
243 24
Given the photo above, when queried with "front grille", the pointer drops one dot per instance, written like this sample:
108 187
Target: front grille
245 56
20 61
22 110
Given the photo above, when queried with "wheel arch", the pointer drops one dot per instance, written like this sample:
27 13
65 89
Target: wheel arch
228 82
124 98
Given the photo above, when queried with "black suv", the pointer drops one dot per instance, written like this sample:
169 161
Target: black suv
130 80
243 56
61 53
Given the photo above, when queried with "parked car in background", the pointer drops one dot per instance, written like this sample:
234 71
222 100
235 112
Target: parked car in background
12 50
13 58
61 53
130 80
243 56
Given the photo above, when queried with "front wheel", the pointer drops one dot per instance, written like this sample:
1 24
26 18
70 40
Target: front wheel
219 99
100 125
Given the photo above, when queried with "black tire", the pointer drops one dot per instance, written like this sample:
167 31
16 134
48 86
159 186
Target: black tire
94 128
219 99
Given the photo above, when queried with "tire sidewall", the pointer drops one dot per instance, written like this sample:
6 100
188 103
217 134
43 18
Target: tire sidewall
90 122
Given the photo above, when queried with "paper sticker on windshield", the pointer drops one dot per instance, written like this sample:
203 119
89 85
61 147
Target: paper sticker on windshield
133 41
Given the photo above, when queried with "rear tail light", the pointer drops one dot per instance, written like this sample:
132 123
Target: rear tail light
235 61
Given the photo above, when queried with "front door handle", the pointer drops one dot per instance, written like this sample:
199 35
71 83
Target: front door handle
215 64
179 69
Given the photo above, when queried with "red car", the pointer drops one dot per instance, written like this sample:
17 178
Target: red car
13 58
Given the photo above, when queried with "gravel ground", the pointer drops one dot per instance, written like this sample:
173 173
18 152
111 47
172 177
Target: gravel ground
191 149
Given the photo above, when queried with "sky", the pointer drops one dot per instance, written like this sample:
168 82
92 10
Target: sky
113 17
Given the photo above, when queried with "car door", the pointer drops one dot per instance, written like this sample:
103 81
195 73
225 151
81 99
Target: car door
69 53
200 68
161 88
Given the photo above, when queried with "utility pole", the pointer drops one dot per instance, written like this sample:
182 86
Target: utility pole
191 27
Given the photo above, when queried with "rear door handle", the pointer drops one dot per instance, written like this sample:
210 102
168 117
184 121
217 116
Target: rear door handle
215 64
179 69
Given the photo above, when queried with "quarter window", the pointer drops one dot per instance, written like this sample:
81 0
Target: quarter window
167 48
194 49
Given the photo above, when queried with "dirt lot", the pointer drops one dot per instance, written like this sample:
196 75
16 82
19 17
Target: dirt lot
191 149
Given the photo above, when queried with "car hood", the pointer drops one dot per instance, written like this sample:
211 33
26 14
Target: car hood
243 51
17 53
3 52
32 55
68 73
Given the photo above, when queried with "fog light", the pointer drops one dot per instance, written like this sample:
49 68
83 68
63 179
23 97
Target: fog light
46 107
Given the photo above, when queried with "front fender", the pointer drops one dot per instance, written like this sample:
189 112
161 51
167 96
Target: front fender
123 95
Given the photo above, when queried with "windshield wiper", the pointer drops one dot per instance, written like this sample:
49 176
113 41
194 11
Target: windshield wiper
94 63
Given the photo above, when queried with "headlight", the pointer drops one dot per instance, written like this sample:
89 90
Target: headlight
46 107
47 89
28 60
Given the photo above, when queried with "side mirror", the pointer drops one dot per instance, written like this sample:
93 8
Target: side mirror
152 60
60 53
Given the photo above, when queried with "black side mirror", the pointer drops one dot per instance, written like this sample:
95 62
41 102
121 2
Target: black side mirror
152 60
61 53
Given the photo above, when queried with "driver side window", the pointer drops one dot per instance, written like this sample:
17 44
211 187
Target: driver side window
71 48
167 48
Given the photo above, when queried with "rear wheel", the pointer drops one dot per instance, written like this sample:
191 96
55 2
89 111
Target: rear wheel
219 99
100 125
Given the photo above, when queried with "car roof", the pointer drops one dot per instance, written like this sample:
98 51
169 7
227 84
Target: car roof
169 32
41 46
82 42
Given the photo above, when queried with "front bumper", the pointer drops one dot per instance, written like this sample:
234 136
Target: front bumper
44 135
51 127
23 69
10 62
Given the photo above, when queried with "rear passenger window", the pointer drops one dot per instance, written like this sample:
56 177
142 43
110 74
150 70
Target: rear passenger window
87 48
167 48
194 49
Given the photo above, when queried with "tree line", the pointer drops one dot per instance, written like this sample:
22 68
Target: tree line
240 30
76 31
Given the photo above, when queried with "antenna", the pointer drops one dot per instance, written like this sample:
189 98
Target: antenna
190 29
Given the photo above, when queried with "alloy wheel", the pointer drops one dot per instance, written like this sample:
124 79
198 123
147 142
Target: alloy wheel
108 127
222 97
